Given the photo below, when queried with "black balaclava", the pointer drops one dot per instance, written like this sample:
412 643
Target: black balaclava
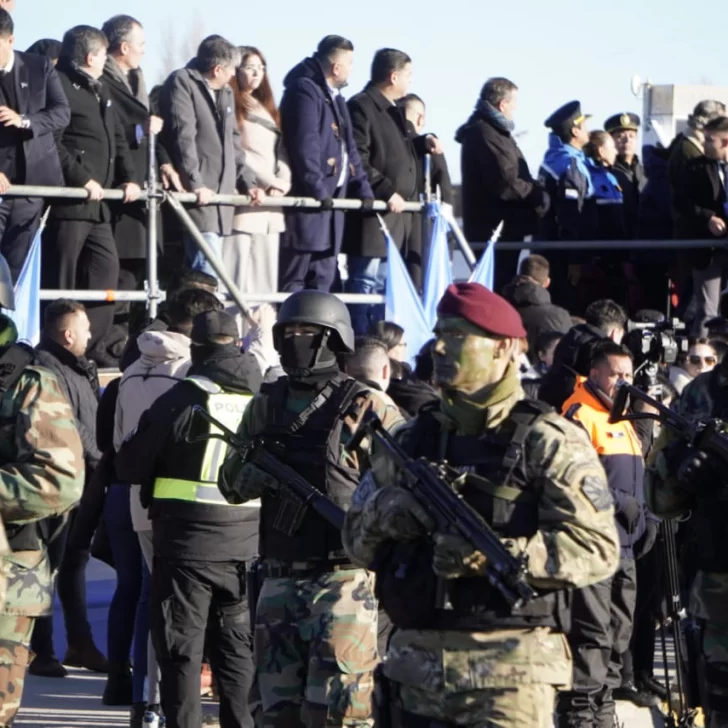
308 358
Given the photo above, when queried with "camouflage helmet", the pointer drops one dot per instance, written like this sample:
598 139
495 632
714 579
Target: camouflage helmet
320 309
7 292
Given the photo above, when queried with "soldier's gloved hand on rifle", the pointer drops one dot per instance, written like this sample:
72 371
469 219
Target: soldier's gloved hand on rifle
252 481
701 472
454 557
400 516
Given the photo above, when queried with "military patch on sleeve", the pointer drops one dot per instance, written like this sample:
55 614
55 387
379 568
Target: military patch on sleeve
597 493
367 486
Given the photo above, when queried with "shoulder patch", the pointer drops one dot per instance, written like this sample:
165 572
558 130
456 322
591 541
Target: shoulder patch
596 492
362 493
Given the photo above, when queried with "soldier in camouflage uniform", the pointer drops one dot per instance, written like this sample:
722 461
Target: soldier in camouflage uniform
678 481
472 660
316 620
42 465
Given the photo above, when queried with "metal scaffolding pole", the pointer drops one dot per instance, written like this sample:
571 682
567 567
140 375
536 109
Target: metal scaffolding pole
211 256
154 194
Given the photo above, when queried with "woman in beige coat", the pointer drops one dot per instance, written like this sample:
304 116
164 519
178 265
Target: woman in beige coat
251 253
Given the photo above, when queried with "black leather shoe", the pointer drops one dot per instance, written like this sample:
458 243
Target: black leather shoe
640 698
45 666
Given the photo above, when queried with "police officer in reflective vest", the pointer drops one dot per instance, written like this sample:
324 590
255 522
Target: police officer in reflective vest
201 542
316 621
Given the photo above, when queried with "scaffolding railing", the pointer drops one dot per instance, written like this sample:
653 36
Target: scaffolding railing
155 196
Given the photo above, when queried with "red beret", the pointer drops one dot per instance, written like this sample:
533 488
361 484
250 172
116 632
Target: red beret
482 308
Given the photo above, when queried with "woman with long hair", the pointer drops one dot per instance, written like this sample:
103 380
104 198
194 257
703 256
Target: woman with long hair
251 253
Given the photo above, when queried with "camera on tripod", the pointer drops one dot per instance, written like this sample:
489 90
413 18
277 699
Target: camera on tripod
654 346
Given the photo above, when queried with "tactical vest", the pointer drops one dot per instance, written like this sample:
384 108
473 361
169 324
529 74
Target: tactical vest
228 408
498 488
309 442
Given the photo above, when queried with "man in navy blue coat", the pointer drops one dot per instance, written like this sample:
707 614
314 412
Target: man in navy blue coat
325 164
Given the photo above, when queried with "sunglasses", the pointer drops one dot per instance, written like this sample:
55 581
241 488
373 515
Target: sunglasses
695 359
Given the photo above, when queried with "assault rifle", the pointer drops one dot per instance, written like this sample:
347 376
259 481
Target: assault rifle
435 486
258 453
706 436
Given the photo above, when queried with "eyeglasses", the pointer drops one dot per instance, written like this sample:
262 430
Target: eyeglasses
254 68
696 359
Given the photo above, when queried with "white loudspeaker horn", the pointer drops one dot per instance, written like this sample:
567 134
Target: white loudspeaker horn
636 84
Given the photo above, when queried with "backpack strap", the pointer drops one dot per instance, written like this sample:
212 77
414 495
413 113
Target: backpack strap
521 420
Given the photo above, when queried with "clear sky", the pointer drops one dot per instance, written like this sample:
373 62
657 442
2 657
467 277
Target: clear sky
554 50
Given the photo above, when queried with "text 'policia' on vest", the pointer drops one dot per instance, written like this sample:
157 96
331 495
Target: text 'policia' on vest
228 408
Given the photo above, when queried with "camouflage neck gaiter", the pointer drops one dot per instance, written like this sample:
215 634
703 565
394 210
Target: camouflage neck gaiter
473 414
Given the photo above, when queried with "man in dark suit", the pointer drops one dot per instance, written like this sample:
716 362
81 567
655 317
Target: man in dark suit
124 79
701 201
78 244
324 163
390 158
202 137
32 108
497 184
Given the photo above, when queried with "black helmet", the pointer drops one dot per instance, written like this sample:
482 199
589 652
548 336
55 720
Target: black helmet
320 309
7 292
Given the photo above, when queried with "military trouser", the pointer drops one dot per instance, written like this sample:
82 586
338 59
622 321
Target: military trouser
15 632
715 655
189 600
601 628
316 650
500 679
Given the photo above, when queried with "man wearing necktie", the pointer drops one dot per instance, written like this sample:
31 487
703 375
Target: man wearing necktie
32 107
702 202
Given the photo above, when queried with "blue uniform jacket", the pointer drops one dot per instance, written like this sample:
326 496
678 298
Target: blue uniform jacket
566 177
610 202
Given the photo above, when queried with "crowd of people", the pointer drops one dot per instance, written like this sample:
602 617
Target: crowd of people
221 571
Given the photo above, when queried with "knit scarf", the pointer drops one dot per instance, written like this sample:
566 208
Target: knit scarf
490 113
473 414
133 81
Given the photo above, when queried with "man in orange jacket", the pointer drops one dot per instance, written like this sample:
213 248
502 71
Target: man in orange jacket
602 614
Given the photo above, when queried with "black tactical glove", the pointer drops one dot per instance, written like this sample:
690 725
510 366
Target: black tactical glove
327 203
629 515
701 472
645 544
400 516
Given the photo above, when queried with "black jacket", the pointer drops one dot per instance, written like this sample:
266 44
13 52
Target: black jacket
496 183
539 315
80 383
572 357
92 147
633 180
130 220
29 156
411 395
389 156
190 531
698 196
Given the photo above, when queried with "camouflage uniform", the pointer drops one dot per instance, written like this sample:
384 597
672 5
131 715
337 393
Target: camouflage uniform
505 677
42 475
315 636
706 397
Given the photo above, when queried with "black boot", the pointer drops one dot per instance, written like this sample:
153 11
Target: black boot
46 666
136 717
648 684
118 685
640 698
85 654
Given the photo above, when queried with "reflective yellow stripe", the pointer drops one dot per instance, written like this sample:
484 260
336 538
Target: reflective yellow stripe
188 490
228 408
